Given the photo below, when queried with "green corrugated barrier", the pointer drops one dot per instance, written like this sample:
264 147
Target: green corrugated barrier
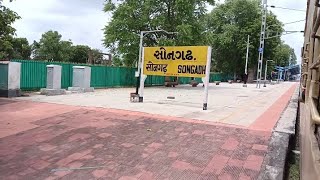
34 75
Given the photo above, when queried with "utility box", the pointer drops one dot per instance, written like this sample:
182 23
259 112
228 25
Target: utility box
10 79
53 77
53 81
81 79
81 76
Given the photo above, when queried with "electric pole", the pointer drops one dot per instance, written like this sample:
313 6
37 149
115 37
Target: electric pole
262 37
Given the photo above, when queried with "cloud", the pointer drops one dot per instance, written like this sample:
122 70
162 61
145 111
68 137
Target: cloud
295 40
81 21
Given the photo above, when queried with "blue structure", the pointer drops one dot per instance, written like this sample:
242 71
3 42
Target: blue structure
293 69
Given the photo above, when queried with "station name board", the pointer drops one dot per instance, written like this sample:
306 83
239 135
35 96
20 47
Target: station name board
181 61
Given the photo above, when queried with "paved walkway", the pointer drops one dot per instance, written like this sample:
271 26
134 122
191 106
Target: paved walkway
228 103
51 141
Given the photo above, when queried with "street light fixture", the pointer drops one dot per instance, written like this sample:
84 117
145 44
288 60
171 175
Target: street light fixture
265 72
142 34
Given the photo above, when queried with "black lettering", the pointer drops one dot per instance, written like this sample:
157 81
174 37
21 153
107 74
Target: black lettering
163 53
189 55
170 56
194 69
179 56
203 70
184 69
179 68
188 69
183 58
191 69
199 69
156 54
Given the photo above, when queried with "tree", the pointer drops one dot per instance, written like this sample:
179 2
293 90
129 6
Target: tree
130 17
228 26
21 49
7 18
52 48
284 55
97 56
80 54
293 57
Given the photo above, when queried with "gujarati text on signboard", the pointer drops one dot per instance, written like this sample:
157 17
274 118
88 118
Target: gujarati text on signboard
182 61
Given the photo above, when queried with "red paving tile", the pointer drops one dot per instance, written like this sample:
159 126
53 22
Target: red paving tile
216 164
270 117
253 162
118 144
230 144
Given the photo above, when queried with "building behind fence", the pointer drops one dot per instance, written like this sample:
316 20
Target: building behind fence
34 75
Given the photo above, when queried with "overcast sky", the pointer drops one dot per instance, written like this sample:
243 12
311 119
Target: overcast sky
82 21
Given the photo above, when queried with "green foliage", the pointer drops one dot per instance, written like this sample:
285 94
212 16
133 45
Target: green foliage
130 17
21 49
52 48
284 55
228 26
97 56
293 57
7 18
79 54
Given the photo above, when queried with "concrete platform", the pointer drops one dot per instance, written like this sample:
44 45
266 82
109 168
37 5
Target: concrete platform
228 103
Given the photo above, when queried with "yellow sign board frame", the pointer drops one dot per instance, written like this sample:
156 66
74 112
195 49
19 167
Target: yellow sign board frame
181 61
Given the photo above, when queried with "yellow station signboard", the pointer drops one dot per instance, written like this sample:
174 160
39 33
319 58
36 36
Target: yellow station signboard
181 61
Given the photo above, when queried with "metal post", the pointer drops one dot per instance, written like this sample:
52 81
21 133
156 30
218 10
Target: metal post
265 73
247 56
206 82
142 34
139 62
246 67
142 79
262 37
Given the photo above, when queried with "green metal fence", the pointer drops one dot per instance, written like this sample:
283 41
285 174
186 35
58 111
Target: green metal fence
34 75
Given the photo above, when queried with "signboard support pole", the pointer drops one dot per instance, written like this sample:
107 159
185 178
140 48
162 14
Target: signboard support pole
206 83
142 79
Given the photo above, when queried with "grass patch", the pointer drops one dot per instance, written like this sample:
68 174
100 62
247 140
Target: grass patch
294 171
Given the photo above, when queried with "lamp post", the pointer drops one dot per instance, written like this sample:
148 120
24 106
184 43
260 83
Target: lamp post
265 73
142 34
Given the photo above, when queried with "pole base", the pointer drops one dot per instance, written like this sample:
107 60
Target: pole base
244 85
137 84
205 106
140 99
